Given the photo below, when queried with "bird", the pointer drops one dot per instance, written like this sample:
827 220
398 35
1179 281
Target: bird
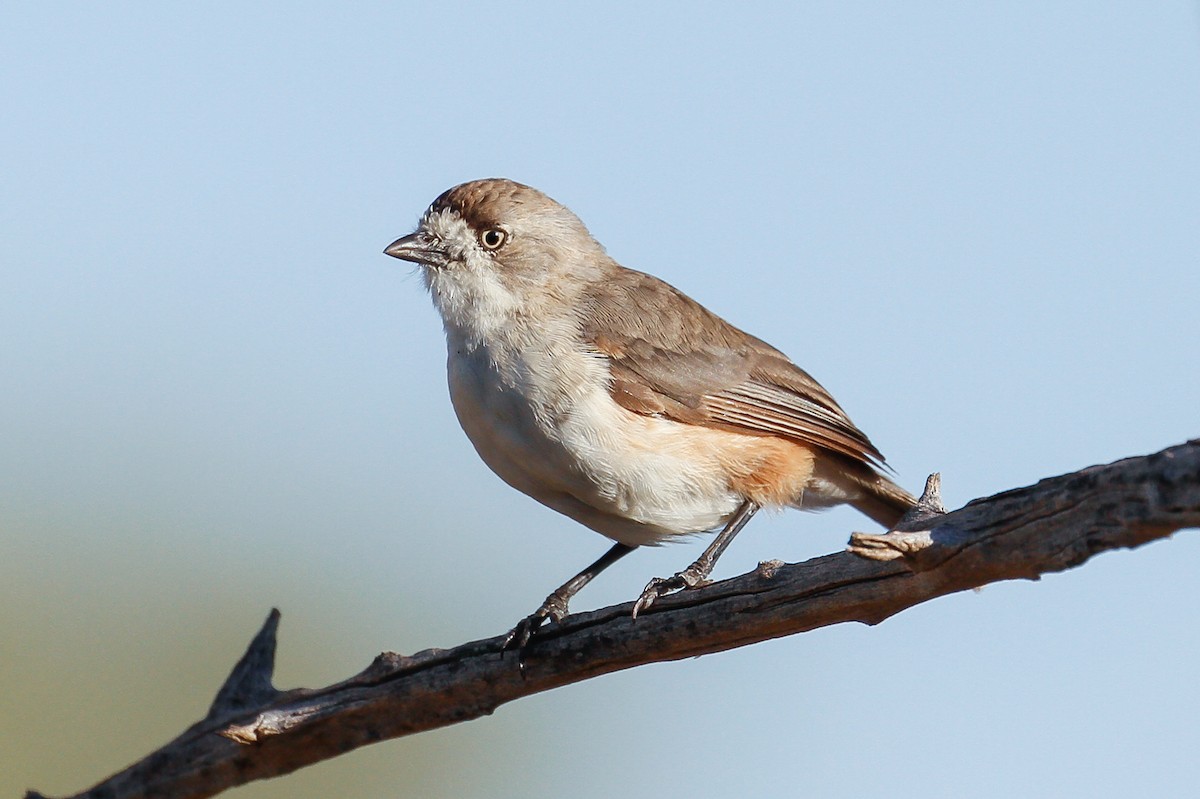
615 399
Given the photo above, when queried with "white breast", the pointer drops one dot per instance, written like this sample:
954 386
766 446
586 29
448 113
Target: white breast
541 417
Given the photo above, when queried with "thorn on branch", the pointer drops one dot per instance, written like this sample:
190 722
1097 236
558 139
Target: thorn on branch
930 503
249 684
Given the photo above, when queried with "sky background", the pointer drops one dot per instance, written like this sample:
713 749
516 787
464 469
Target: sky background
977 224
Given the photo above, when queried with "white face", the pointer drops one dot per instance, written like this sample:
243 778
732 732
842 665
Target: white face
470 292
455 237
494 253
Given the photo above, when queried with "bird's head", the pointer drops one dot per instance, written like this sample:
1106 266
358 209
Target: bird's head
495 246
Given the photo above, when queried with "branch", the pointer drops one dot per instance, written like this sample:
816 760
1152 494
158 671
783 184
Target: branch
253 731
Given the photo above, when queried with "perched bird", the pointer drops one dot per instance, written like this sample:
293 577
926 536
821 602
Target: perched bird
611 397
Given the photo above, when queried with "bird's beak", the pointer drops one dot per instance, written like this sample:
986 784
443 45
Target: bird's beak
420 248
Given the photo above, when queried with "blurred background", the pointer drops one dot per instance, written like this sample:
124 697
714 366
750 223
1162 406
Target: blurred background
977 224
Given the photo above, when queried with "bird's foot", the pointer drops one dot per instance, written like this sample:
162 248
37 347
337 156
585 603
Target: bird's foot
691 577
554 609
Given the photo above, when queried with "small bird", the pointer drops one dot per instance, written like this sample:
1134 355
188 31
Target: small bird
613 398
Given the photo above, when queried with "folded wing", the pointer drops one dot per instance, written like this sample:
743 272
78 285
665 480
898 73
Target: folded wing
674 358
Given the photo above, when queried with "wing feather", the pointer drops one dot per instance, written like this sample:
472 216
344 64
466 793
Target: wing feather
671 357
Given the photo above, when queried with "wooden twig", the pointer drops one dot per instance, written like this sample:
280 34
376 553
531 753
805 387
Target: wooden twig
254 731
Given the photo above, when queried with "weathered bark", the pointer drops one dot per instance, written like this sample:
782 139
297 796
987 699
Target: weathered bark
253 731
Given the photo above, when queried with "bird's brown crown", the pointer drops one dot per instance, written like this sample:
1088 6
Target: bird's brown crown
486 203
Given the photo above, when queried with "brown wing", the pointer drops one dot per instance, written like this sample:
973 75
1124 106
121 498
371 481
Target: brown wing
671 357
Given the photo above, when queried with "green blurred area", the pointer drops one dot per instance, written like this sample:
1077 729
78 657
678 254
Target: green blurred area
99 670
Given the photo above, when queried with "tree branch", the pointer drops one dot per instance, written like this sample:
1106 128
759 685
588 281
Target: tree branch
253 731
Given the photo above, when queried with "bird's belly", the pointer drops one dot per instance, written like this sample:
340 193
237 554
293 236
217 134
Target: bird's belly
632 478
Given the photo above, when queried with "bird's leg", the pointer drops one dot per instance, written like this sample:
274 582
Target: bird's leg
555 606
697 574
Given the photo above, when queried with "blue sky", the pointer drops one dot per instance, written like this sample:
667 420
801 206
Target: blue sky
976 224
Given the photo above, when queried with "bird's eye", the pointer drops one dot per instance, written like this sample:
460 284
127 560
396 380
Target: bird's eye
492 238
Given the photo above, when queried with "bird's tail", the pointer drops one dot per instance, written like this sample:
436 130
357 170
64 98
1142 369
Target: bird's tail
882 500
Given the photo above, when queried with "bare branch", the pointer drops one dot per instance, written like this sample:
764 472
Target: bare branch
254 731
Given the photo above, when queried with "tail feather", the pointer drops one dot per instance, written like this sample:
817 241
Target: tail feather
883 500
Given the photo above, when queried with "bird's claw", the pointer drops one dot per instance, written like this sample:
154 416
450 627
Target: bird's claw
661 586
519 636
554 609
